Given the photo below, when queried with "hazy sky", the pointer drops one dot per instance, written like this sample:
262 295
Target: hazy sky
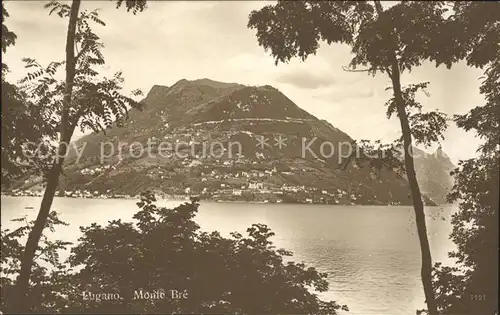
172 40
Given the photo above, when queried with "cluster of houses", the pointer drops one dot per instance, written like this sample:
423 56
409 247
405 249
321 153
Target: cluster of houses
70 194
25 193
261 191
95 170
91 194
220 178
223 180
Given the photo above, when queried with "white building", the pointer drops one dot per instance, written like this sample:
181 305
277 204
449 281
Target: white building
256 186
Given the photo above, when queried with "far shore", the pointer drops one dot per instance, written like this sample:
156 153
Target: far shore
223 201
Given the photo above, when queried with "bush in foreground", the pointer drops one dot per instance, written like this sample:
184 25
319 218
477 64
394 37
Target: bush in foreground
164 250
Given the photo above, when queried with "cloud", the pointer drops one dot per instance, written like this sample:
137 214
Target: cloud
307 80
344 92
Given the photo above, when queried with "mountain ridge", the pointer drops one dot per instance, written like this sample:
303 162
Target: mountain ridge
206 111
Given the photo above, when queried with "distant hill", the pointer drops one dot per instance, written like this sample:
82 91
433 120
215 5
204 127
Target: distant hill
191 116
433 174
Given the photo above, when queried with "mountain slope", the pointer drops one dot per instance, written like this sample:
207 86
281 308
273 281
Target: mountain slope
433 174
227 141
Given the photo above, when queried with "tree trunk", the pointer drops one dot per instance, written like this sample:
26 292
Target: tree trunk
66 132
416 196
418 206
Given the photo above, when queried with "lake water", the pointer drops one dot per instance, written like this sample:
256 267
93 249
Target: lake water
371 253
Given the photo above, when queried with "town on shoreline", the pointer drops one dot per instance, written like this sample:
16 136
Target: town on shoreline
262 196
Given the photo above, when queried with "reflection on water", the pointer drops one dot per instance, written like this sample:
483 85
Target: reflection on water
371 253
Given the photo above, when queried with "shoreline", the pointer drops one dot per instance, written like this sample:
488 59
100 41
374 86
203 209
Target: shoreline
230 201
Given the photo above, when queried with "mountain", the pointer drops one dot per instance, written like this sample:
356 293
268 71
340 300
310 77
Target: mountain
433 174
227 141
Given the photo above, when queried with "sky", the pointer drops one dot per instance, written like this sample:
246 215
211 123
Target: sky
174 40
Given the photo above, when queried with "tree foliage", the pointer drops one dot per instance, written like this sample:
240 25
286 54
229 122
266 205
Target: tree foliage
415 31
296 28
164 249
477 31
8 37
427 127
485 120
471 287
132 5
44 281
97 102
377 155
390 40
17 113
82 99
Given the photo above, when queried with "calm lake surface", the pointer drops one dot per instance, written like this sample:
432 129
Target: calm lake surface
371 253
